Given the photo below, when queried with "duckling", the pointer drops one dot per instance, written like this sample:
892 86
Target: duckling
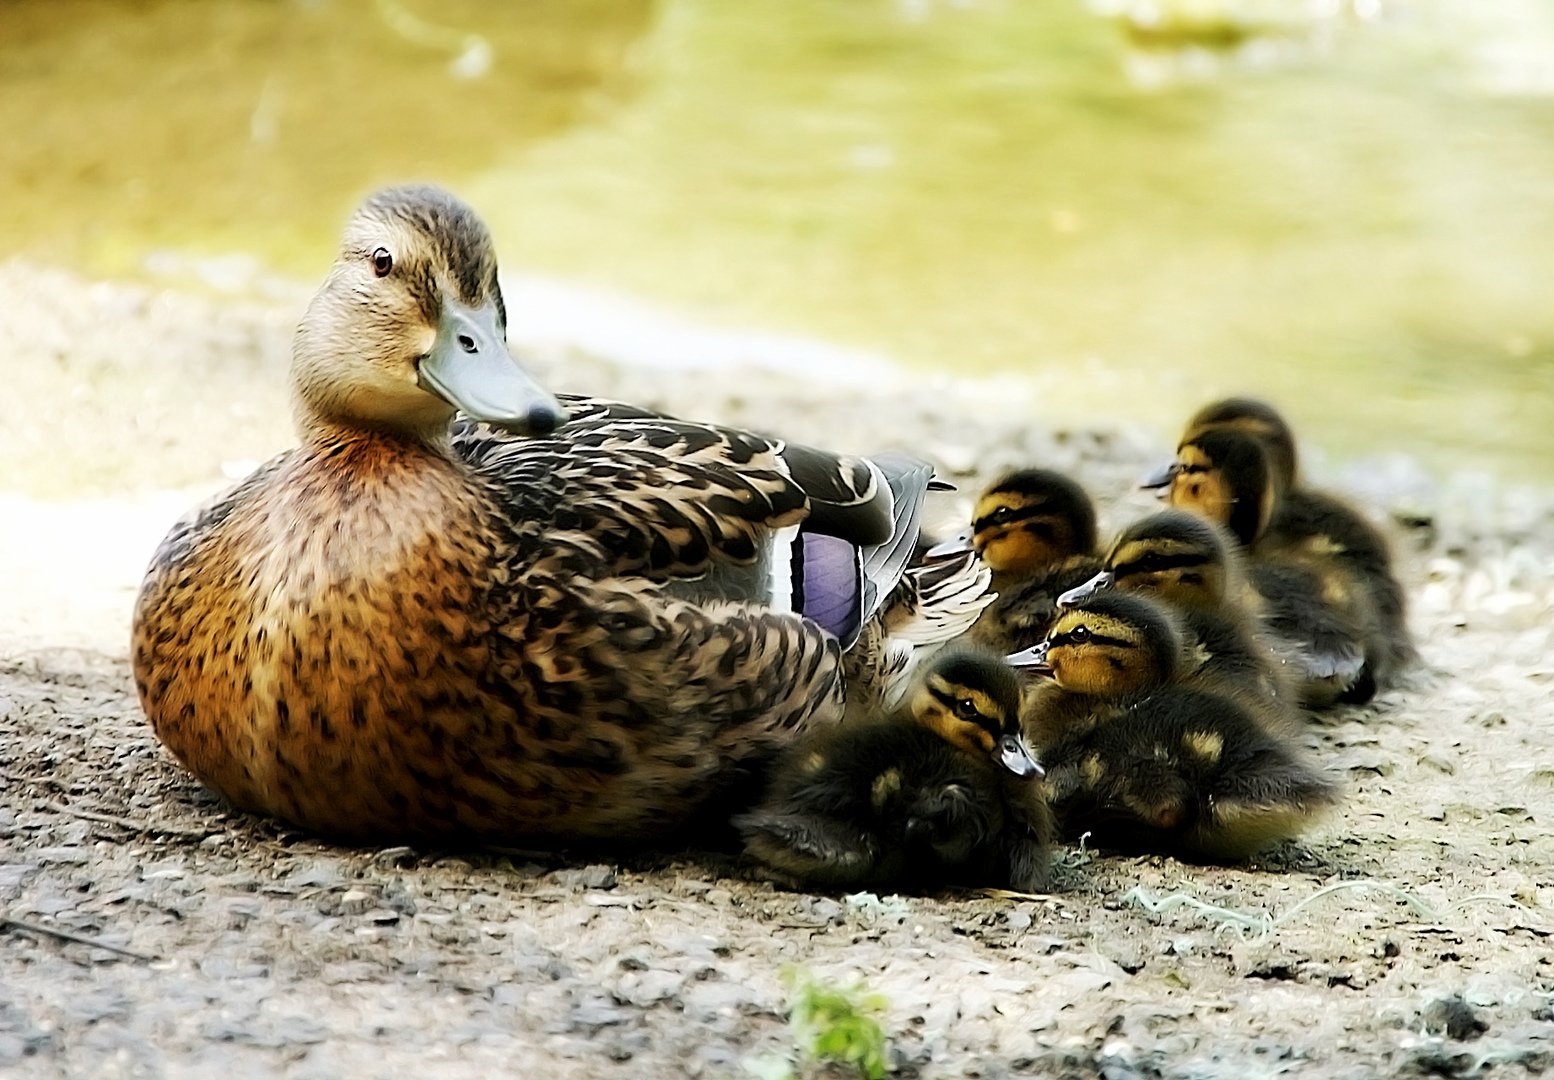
942 792
518 633
1248 416
1190 564
1324 572
1303 519
1036 530
1143 763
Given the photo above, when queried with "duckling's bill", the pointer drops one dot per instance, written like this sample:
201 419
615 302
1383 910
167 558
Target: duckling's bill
1159 477
1016 756
470 367
955 545
1032 661
1079 593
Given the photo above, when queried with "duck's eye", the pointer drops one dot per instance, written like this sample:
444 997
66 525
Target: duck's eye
1079 633
966 709
382 262
1002 516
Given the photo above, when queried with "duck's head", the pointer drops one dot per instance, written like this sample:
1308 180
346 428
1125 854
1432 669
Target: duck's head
410 326
1224 476
1249 417
1178 557
971 699
1107 645
1028 520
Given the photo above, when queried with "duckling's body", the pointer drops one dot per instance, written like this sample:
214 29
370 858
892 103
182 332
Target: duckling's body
1186 773
1190 564
1036 530
1143 760
930 796
1324 572
389 634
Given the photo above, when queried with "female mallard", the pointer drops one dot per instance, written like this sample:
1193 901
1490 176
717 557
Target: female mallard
394 630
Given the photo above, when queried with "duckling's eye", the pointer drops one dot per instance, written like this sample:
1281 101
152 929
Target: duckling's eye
1002 516
382 262
966 709
1079 633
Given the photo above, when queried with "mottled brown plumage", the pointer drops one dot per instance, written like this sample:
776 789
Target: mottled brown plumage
389 632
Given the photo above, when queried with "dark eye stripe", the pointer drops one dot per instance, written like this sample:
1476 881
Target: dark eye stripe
1093 639
950 701
1022 514
1153 563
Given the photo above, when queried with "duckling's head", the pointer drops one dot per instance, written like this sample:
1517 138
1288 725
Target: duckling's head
1224 475
1107 645
971 699
1259 420
410 326
1031 519
1174 556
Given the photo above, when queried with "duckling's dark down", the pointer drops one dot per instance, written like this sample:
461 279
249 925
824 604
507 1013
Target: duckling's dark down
928 797
1187 773
1142 759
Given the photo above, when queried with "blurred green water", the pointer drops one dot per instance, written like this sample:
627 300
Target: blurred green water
1352 216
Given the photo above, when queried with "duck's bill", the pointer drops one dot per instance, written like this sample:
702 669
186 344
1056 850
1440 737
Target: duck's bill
1080 593
1032 661
955 545
471 369
1016 756
1159 477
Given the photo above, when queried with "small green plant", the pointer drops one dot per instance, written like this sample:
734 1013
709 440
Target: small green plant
841 1025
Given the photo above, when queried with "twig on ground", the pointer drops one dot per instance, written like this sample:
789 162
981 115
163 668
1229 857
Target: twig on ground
132 824
78 939
1265 923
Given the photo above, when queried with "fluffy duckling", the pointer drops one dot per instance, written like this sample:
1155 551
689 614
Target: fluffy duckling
1142 763
1036 530
1219 472
1250 417
402 630
1189 563
1324 572
943 792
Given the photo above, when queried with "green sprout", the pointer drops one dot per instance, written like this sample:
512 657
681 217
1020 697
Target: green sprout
841 1025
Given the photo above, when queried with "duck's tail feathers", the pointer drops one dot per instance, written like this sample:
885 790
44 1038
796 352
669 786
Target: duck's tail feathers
884 565
939 601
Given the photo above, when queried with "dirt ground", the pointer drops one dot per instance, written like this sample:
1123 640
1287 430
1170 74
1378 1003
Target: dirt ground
1408 934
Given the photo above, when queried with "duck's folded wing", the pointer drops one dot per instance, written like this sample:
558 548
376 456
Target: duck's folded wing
667 499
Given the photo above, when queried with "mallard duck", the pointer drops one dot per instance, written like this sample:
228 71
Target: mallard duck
1191 564
1325 573
1141 762
395 631
1218 471
942 792
1035 529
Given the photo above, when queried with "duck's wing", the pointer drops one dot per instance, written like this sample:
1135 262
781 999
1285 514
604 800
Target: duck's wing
677 501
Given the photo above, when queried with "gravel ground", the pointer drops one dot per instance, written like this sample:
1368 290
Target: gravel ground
1409 934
